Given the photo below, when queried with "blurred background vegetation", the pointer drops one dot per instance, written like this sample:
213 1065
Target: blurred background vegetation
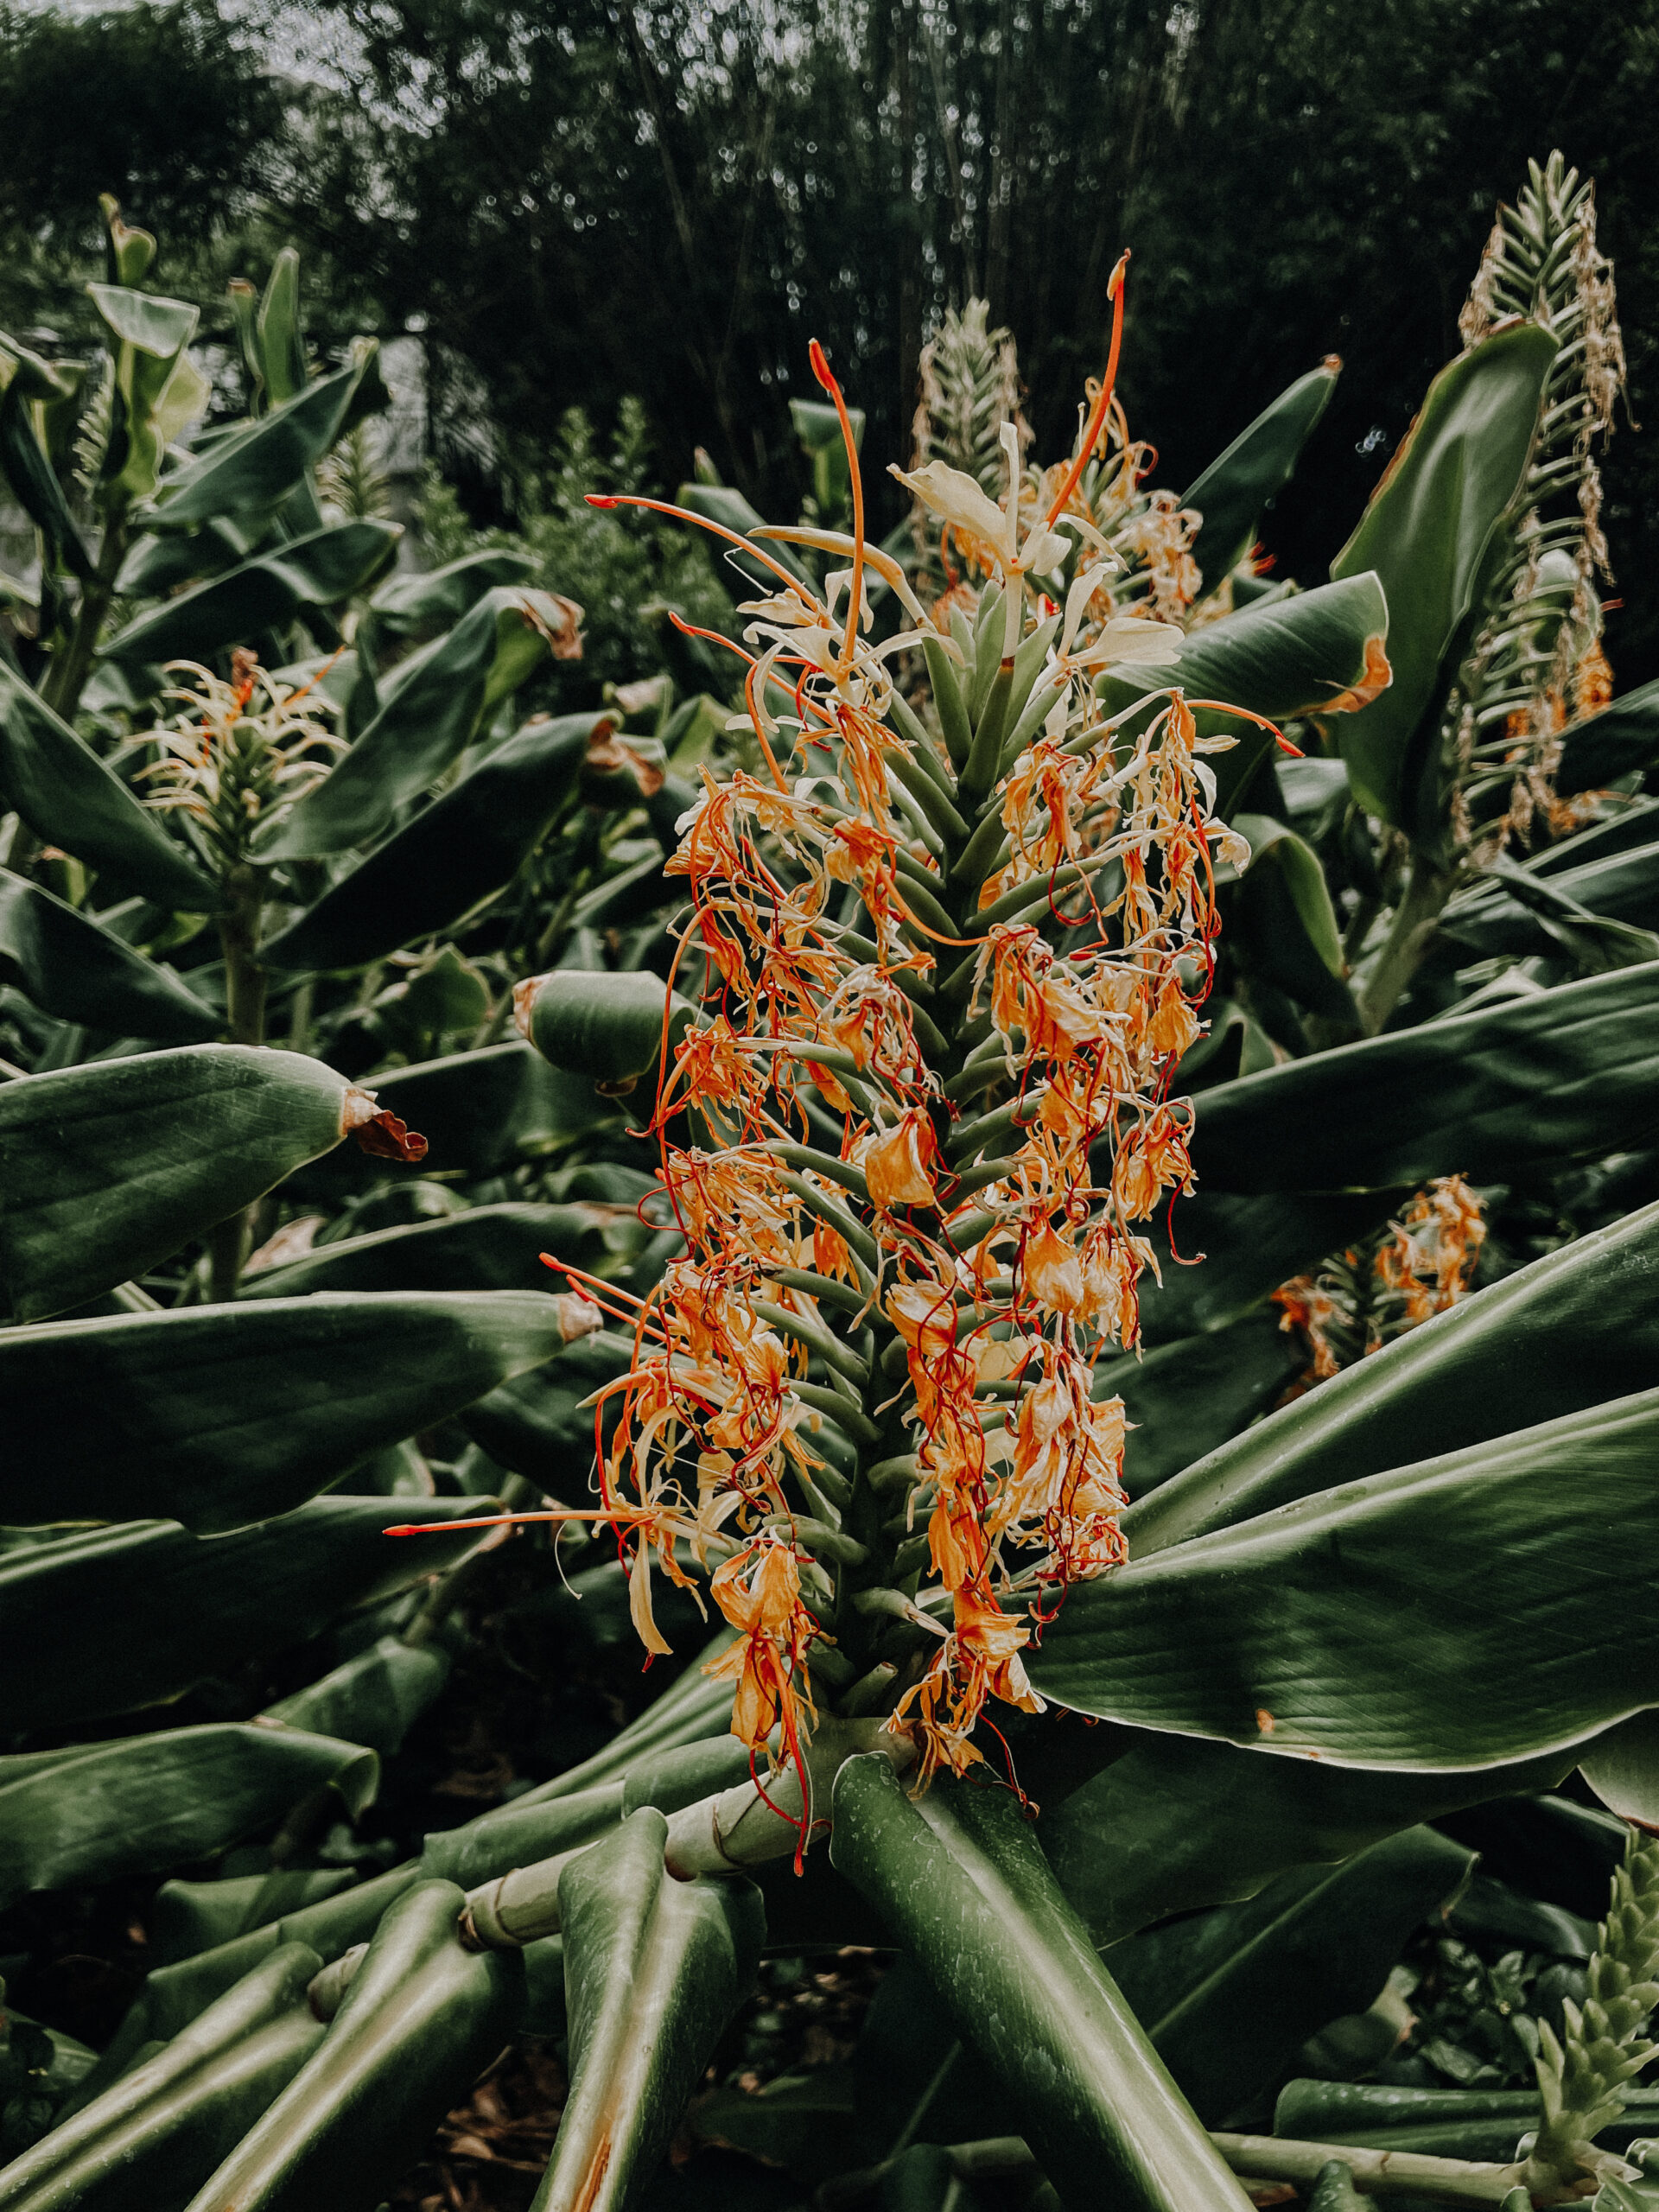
612 227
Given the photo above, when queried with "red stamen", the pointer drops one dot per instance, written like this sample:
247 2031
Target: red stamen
1114 290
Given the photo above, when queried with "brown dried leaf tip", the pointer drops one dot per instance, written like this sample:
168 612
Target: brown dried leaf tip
379 1131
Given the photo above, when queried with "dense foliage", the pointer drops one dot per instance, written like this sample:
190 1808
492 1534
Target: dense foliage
1091 1114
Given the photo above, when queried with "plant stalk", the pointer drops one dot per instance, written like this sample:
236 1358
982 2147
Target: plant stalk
1410 934
66 677
243 885
1377 2173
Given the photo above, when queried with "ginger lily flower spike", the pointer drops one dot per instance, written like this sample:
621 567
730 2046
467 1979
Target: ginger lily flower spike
912 1138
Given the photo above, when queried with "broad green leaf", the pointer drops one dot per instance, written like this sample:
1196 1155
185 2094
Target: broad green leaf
420 2021
1315 652
1622 1767
1604 909
69 797
35 485
99 1812
520 1834
373 1698
410 603
74 968
1187 1397
1233 1250
157 566
263 594
1427 534
107 1169
1228 1996
185 1917
539 1425
1177 1822
1286 923
613 1028
720 503
217 1416
164 2125
1481 2124
1568 1073
1492 1603
1526 1350
958 1877
150 334
253 470
276 330
1241 482
431 707
487 1247
119 1619
463 848
1601 748
482 1112
654 1969
569 1811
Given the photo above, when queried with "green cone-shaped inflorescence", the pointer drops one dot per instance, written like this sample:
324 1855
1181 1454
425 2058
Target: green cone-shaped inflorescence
1581 2074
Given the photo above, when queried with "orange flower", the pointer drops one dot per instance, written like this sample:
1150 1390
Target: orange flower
897 1163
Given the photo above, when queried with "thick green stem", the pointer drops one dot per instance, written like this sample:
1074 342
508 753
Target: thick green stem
244 1006
67 678
1377 2173
1410 934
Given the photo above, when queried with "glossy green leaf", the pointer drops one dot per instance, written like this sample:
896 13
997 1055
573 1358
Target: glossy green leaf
1286 923
1449 1613
959 1879
463 848
1622 1767
34 485
431 707
105 1169
276 330
265 593
539 1425
519 1834
69 797
420 2021
253 470
150 334
1187 1397
720 503
185 1917
119 1619
1452 2123
612 1028
654 1969
1233 1250
482 1112
1613 899
373 1698
1526 1350
1304 654
1177 1822
1241 482
100 1811
487 1247
1228 1996
163 2126
1622 737
414 602
219 1415
1569 1073
75 969
1427 534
